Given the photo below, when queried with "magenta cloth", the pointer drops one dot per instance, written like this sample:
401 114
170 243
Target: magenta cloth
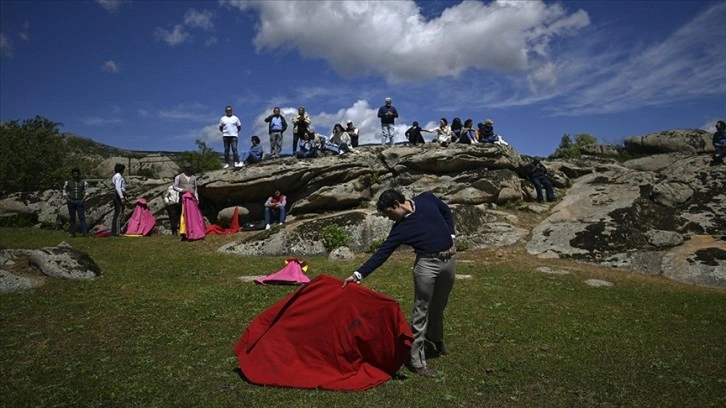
142 221
194 221
291 274
325 337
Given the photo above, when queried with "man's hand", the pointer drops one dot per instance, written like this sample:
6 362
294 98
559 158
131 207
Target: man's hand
354 278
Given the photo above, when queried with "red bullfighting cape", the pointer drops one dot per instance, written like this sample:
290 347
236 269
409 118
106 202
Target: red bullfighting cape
215 229
322 336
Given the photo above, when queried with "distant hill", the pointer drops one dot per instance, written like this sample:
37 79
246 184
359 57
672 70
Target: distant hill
86 146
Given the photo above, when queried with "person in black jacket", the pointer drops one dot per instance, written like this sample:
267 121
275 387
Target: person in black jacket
538 174
413 134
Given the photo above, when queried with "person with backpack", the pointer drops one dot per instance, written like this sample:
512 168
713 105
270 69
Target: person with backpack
75 191
413 134
276 128
538 175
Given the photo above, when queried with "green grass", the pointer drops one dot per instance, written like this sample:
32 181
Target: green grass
157 329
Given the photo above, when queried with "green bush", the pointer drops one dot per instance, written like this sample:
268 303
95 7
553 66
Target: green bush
376 244
461 244
334 236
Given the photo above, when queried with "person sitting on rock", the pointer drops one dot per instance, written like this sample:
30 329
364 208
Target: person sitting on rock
444 135
275 208
719 142
413 134
468 134
486 132
254 155
309 145
456 129
339 141
538 174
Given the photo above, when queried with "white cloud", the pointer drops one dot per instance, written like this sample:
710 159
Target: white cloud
175 37
24 34
111 66
100 121
110 5
394 40
183 112
199 19
210 41
6 46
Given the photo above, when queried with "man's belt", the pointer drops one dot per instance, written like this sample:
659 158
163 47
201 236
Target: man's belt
440 255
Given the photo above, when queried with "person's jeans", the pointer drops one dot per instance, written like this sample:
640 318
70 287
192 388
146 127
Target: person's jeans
277 213
296 138
118 215
77 207
230 142
275 144
540 182
720 153
387 134
247 157
174 211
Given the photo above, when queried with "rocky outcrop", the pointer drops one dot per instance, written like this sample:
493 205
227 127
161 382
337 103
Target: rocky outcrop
28 268
660 214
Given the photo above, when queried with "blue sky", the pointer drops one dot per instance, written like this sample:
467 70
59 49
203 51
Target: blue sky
156 75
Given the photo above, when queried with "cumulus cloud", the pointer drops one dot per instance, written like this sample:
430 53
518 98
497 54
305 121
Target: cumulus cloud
394 40
199 19
6 46
111 66
111 6
174 37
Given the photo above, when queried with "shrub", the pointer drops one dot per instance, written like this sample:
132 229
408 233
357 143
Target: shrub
334 236
461 244
376 244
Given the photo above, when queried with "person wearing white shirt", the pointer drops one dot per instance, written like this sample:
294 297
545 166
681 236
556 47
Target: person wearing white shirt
230 127
119 199
443 132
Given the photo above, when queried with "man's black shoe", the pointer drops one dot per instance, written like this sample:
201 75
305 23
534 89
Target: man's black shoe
441 347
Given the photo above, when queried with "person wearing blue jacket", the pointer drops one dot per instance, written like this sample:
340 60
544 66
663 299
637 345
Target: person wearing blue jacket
254 155
427 225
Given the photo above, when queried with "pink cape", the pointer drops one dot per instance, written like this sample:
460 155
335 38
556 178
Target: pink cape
325 337
192 225
291 274
142 221
233 228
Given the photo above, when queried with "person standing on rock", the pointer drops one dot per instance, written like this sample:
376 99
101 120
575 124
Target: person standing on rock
230 127
719 142
538 174
388 114
120 199
277 126
426 224
300 126
75 191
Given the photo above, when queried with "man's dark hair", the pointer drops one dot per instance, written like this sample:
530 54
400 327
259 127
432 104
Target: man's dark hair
388 198
118 168
76 170
255 139
721 124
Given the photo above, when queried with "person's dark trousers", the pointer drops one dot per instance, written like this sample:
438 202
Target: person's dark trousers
174 212
720 153
118 216
296 137
354 141
230 142
77 207
540 182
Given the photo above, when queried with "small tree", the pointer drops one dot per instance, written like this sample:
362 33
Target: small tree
568 149
204 159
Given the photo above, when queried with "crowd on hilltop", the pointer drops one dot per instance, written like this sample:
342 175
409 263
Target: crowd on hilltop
307 143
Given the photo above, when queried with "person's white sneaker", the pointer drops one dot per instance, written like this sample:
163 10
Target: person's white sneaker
267 226
282 224
226 166
239 164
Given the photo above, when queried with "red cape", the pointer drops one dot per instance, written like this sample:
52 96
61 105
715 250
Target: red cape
322 336
215 229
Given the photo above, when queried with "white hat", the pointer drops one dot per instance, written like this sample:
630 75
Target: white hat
349 121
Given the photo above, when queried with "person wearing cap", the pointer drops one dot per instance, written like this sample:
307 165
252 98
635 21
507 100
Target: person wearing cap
426 224
486 132
230 127
186 181
277 127
387 113
352 132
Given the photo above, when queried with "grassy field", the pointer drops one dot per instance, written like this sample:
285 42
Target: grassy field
157 329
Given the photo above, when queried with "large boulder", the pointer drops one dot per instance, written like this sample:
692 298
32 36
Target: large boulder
674 140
